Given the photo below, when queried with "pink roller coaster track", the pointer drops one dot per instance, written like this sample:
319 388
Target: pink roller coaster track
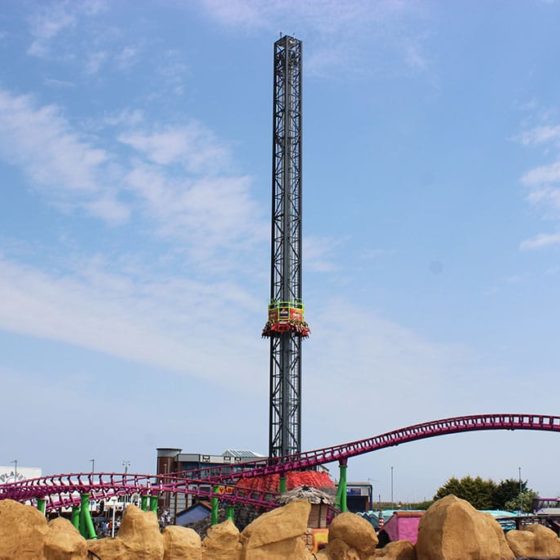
63 490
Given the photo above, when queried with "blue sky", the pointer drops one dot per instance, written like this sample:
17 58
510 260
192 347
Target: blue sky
135 143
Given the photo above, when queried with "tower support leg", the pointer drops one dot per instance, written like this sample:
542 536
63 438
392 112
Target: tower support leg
283 486
154 504
215 508
144 503
76 517
42 505
86 522
341 494
230 513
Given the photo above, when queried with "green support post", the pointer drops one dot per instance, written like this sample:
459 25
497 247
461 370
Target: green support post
76 517
215 506
341 494
144 503
230 513
283 484
42 505
154 501
86 522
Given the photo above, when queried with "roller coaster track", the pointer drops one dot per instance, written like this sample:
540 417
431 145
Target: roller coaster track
63 490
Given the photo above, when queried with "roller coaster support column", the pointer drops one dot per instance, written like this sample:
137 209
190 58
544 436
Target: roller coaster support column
76 517
154 500
230 513
283 484
341 494
86 522
215 507
144 503
42 505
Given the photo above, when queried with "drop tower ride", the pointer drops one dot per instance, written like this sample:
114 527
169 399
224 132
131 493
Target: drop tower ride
286 326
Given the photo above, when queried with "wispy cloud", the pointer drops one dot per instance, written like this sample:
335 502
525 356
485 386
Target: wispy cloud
67 167
169 323
540 241
540 135
193 146
52 18
322 23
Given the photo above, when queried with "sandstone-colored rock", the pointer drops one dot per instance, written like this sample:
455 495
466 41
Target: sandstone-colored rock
287 522
452 529
277 534
292 549
109 549
546 541
23 530
397 550
505 551
222 542
337 549
139 531
180 543
355 531
64 542
522 543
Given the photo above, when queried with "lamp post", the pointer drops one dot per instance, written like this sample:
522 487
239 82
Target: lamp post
392 496
126 464
15 462
92 461
520 488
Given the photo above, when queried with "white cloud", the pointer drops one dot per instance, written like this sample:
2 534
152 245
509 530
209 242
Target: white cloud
545 174
94 62
540 135
172 324
540 241
324 23
193 146
68 168
206 213
52 18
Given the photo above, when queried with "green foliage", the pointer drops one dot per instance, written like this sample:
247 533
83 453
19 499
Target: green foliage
506 491
477 491
486 494
522 502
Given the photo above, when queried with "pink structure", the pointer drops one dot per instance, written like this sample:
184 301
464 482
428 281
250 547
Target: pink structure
403 526
65 489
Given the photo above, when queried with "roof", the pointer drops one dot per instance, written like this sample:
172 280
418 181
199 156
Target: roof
311 495
242 454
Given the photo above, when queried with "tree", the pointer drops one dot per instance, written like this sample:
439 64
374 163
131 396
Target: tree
522 502
477 491
506 491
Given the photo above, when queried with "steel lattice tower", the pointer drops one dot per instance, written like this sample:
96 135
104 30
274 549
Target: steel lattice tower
286 325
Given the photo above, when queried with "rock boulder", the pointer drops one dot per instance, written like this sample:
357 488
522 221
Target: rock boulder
23 530
277 534
180 543
546 541
397 550
522 543
64 542
222 542
355 531
452 529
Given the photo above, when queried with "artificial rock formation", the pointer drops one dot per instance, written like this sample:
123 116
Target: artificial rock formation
222 542
452 529
535 540
64 542
397 550
139 538
180 543
277 534
23 530
351 537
